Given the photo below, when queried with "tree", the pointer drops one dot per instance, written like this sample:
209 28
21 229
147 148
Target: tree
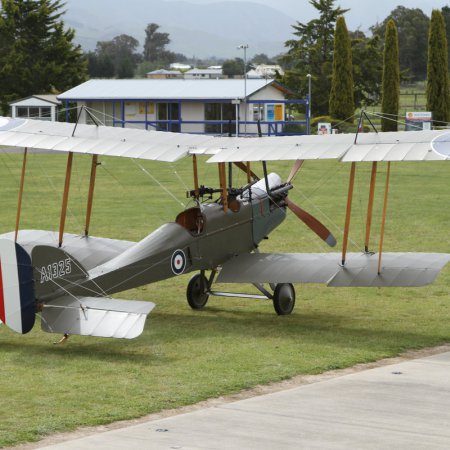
342 104
312 53
446 14
391 79
261 58
367 58
437 73
233 67
100 66
121 51
37 53
155 45
412 26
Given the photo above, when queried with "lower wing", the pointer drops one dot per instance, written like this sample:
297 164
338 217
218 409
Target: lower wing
360 269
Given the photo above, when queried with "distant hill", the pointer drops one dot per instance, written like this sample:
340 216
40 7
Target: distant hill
195 29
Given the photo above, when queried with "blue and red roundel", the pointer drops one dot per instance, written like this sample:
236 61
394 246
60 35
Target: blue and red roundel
178 262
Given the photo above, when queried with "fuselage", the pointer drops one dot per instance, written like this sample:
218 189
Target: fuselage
201 238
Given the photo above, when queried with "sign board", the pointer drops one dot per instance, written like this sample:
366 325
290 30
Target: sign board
278 112
324 128
274 112
418 120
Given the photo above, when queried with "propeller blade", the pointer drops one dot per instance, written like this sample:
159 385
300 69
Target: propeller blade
310 221
295 169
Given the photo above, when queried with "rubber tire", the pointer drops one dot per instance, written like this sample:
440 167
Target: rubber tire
195 292
284 299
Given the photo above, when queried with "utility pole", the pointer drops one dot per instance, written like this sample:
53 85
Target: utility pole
309 104
245 47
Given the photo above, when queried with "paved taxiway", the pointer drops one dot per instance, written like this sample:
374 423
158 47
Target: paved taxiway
399 406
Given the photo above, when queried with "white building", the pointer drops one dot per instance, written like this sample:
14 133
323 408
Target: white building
191 106
162 74
42 107
199 74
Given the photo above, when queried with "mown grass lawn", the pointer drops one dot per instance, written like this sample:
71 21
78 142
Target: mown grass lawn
185 356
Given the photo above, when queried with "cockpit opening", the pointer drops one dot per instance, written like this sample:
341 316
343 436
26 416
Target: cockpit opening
192 220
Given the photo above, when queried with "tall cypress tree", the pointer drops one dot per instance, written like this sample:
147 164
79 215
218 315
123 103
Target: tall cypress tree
37 53
390 97
342 104
437 73
311 52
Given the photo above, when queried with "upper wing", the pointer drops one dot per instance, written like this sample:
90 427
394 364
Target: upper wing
100 140
392 146
165 146
361 269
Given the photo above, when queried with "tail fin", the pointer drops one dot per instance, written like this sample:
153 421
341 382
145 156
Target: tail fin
55 271
17 300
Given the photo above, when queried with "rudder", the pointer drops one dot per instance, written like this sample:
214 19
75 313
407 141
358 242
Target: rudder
17 299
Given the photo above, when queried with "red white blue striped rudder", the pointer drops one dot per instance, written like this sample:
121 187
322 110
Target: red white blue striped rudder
17 301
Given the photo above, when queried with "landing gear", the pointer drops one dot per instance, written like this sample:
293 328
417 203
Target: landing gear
197 291
284 298
200 288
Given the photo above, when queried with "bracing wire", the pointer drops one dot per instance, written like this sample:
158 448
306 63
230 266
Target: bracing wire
159 183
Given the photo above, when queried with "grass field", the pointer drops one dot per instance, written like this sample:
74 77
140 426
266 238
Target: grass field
185 356
412 98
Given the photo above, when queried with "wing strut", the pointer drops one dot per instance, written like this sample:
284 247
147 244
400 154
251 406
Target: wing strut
195 170
383 220
348 214
246 168
91 193
65 198
22 182
370 205
249 173
223 186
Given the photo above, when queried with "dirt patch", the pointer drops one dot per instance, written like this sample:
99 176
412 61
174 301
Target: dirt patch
247 393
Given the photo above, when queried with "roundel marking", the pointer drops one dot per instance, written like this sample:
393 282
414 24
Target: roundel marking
441 145
178 262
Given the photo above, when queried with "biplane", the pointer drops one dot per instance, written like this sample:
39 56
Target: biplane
69 280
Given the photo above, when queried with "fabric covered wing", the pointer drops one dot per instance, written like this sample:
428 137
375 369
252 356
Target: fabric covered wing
165 146
90 251
392 146
93 316
397 269
100 140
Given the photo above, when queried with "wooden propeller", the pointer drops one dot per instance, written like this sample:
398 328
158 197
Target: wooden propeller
310 221
319 228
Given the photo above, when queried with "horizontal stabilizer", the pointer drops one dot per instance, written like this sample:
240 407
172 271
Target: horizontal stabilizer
96 316
361 269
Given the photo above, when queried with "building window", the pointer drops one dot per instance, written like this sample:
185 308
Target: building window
222 117
34 112
22 111
168 115
46 112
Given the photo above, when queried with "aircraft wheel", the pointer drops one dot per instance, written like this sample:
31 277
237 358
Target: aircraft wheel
284 298
196 291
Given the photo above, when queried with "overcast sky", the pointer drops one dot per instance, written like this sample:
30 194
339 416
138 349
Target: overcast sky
363 13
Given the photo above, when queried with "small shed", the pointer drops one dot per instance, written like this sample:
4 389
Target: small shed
42 107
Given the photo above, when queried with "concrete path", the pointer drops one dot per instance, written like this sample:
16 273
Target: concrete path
400 406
